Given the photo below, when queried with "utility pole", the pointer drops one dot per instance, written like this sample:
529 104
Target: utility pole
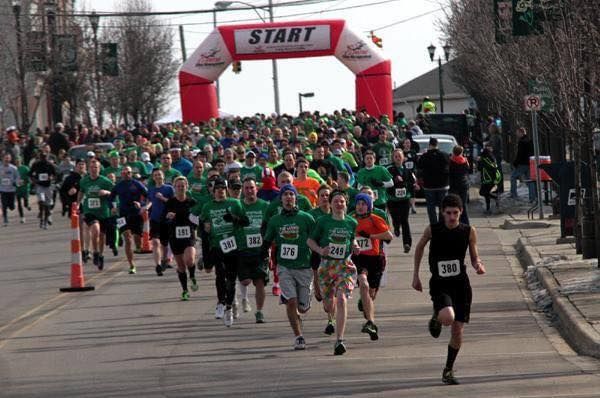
56 114
216 81
24 128
182 41
441 83
95 21
274 64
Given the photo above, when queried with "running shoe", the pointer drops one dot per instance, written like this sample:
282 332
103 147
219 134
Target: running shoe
435 327
406 248
159 270
194 285
219 311
100 263
132 270
45 225
115 251
236 310
185 295
396 231
85 256
299 343
448 377
370 328
339 348
163 264
228 319
330 328
49 221
360 305
260 318
246 305
5 223
276 290
23 220
95 258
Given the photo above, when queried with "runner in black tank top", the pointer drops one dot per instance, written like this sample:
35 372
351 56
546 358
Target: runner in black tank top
449 285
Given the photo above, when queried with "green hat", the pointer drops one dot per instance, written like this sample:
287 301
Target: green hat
113 154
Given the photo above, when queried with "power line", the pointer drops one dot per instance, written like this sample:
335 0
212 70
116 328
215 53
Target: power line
405 20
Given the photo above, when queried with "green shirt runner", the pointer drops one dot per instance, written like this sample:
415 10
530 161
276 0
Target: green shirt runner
366 177
275 206
221 232
249 238
92 202
289 232
338 234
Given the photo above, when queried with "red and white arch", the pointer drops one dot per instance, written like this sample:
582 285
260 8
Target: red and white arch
284 40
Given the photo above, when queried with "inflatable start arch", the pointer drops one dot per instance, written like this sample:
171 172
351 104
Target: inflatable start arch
284 40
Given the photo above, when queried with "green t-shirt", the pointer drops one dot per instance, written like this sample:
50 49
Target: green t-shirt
112 170
338 234
275 205
383 151
255 172
289 233
368 176
25 184
221 232
249 238
170 175
313 174
336 162
350 159
92 202
197 188
273 165
138 168
317 213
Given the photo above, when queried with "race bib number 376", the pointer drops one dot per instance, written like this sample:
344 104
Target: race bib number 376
289 252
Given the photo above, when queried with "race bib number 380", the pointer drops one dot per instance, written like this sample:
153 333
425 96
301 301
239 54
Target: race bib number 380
447 268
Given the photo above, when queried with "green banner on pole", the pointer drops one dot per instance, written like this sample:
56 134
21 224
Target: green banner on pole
542 88
110 59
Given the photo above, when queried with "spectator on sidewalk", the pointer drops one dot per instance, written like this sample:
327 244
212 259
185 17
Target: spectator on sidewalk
459 179
521 164
490 176
434 166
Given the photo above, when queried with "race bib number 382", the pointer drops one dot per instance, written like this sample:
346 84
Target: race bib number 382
447 268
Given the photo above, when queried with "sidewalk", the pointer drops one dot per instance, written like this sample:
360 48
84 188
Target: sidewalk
564 283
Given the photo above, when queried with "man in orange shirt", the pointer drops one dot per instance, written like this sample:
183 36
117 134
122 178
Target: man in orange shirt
370 231
306 185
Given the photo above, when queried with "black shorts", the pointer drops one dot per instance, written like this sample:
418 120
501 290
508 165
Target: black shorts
178 246
252 267
315 261
8 200
135 224
373 266
90 219
455 293
160 231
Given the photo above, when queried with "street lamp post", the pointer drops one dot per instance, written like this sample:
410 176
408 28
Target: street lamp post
23 93
56 103
306 95
95 21
221 5
431 50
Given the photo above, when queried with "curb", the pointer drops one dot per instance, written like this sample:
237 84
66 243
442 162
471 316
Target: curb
580 335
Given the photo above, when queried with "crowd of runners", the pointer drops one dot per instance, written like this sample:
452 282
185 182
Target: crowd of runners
311 202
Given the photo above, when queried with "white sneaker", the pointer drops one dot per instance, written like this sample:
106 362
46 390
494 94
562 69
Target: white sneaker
299 343
228 320
23 220
236 310
219 311
246 305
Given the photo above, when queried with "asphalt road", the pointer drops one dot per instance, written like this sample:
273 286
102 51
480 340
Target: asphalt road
133 337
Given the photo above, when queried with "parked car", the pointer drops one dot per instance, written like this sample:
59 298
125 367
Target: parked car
80 151
446 143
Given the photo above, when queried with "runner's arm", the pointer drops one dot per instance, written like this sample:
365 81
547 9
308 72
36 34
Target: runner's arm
475 260
419 249
314 246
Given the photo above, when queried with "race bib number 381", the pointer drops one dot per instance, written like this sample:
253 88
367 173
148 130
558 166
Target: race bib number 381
228 245
447 268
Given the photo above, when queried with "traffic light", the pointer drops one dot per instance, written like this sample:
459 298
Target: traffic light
376 40
236 66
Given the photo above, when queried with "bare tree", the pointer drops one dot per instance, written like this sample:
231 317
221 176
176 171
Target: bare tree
147 67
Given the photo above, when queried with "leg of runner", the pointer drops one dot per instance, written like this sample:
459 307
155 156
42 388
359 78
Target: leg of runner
230 265
157 255
244 294
128 238
4 200
404 210
94 235
182 275
219 284
368 307
20 208
189 257
341 308
394 209
259 294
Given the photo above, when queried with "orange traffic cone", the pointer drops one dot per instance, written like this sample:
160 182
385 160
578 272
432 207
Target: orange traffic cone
77 279
146 248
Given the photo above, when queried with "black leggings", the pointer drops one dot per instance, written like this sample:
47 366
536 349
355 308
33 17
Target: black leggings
485 191
20 205
399 210
226 275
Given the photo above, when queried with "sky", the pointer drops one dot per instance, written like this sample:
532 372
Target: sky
405 31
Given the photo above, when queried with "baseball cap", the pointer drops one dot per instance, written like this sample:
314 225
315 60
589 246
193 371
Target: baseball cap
251 154
219 182
195 129
91 154
234 183
11 128
145 157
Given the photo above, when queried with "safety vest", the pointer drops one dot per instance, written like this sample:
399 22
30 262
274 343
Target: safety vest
428 107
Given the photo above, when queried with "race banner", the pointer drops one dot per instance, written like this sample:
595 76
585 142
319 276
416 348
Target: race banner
284 39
